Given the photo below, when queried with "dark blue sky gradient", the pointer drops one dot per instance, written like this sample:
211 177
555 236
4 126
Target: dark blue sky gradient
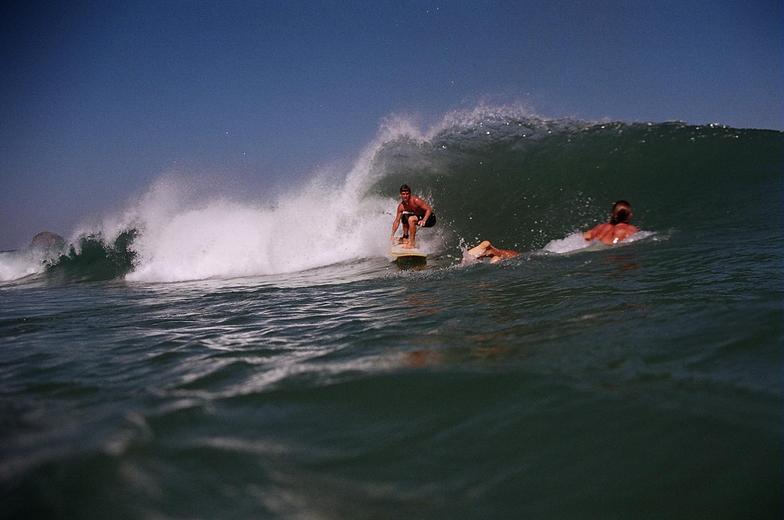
100 98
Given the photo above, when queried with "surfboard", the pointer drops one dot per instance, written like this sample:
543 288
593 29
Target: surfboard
405 257
399 251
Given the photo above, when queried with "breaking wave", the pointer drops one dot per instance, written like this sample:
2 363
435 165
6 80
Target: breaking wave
521 181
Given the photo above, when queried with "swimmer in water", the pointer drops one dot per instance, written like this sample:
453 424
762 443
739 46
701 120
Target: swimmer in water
617 229
486 250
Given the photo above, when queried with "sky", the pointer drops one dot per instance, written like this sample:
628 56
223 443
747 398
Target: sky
99 99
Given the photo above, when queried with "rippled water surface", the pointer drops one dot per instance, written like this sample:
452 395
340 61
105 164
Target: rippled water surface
594 383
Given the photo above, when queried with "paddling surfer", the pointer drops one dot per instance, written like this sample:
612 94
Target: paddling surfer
486 250
617 229
412 212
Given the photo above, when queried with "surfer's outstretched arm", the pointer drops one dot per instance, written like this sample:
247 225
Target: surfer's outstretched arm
479 250
487 250
396 222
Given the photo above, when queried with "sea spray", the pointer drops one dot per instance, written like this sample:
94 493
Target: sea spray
331 219
44 250
227 239
19 264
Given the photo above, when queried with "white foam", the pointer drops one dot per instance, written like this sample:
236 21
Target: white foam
18 264
576 242
187 236
568 244
220 238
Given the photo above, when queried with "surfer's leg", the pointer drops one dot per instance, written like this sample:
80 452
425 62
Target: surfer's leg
404 222
412 229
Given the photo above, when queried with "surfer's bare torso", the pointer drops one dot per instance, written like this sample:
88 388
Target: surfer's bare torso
413 205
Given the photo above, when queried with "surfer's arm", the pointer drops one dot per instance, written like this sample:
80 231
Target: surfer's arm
600 232
396 222
428 211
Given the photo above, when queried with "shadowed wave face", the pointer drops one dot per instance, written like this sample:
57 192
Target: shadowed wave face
525 182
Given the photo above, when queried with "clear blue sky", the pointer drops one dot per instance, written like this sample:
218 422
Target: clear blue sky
99 98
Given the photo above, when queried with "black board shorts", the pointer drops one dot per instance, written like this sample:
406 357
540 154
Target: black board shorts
431 221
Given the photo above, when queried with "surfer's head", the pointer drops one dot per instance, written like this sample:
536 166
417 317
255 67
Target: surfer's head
621 213
405 192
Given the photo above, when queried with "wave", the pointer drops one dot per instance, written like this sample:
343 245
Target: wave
498 173
524 181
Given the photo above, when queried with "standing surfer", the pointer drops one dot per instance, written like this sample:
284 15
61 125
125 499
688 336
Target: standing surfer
412 212
618 228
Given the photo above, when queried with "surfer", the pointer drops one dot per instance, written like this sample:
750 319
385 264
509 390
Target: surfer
617 229
412 212
486 250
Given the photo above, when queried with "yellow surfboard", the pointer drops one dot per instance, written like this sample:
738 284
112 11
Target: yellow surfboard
399 251
407 257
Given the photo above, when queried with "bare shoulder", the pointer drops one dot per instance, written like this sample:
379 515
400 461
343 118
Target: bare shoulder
625 230
420 202
598 229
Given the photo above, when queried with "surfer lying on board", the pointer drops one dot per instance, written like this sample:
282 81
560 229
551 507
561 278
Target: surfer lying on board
486 250
617 229
411 212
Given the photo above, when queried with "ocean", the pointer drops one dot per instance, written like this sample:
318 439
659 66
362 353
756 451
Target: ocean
198 356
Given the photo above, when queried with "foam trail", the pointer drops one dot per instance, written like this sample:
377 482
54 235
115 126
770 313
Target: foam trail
575 242
568 244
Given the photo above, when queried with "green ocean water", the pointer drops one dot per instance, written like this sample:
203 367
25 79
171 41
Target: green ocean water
635 381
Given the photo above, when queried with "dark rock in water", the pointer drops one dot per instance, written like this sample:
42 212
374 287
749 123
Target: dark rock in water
47 240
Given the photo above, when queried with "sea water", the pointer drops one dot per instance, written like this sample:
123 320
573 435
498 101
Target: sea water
190 358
